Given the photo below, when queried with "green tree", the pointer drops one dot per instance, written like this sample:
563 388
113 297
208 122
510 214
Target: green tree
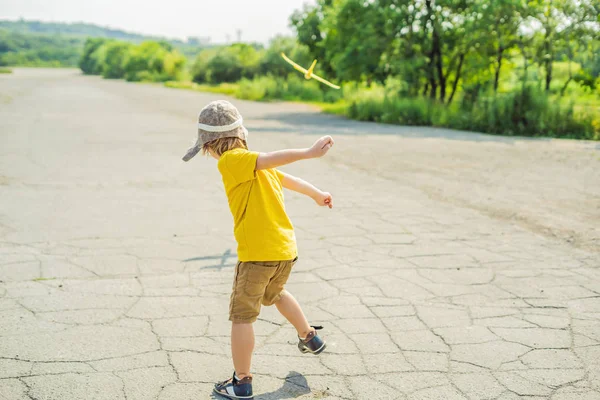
559 22
35 50
114 56
152 61
88 63
272 62
227 64
308 25
199 69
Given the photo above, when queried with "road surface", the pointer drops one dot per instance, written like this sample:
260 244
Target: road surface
453 266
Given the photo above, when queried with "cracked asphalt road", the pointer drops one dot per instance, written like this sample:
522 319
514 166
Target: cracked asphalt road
453 266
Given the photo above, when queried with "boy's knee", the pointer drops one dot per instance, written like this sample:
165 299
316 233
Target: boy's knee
269 301
272 299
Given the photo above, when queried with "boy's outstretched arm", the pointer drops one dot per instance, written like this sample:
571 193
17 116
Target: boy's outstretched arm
282 157
301 186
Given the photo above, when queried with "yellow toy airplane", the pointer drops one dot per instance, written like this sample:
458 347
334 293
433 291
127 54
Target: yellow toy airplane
308 73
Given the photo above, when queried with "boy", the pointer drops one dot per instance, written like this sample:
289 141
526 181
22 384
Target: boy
265 236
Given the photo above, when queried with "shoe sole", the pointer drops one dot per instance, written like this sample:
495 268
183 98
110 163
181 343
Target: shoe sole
305 349
231 397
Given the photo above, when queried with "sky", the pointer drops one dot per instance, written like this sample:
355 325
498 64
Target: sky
258 20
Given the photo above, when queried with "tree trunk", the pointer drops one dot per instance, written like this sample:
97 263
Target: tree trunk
432 53
525 66
564 88
457 77
498 66
550 55
433 84
437 50
548 74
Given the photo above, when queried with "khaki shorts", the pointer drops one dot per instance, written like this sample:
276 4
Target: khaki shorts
256 283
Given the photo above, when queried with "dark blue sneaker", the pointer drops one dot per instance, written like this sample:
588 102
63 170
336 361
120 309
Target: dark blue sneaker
313 343
234 388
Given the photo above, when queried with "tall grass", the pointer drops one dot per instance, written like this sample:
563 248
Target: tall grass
529 112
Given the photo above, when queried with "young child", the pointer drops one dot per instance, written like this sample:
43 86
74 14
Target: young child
265 236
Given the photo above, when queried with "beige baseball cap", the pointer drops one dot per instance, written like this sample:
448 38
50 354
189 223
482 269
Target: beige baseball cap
219 119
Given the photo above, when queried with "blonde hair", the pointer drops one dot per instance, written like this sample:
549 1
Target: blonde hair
220 146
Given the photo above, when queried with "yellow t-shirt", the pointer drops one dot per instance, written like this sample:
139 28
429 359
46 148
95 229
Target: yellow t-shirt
261 226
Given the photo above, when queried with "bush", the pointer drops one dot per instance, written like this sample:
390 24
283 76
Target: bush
113 55
298 88
140 62
294 88
529 112
199 69
88 63
148 61
227 64
153 61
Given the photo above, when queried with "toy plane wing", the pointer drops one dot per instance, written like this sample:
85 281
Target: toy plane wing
309 74
318 78
296 66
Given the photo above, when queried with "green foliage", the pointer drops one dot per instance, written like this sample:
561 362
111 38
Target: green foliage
227 64
114 53
4 70
153 61
266 88
467 66
18 49
242 61
435 47
529 113
148 61
88 64
526 113
276 88
272 63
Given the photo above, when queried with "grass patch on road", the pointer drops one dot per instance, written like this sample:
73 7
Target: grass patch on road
4 70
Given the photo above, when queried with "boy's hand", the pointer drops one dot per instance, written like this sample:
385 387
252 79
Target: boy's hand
324 199
321 147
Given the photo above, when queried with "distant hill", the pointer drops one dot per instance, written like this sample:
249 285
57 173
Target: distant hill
57 44
78 29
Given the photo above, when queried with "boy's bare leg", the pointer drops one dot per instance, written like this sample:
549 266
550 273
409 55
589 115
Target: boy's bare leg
242 345
291 310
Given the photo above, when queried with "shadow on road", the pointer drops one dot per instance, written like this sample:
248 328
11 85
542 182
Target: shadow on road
223 260
320 124
295 385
